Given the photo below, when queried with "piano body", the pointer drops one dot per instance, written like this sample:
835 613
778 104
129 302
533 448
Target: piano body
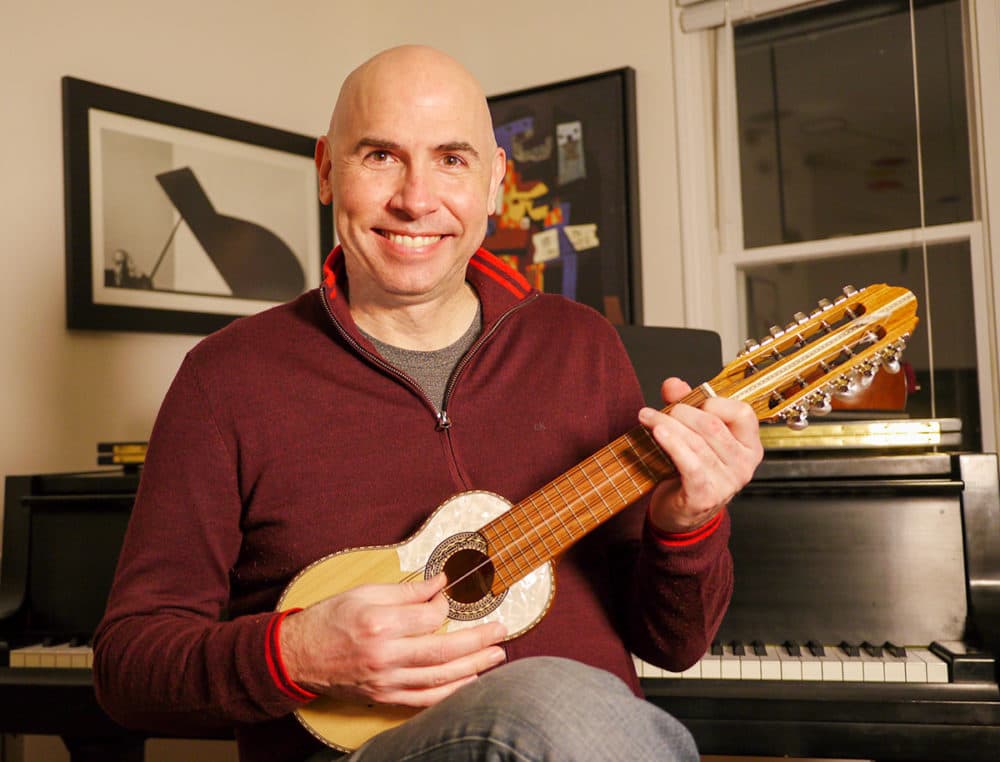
903 550
865 621
61 537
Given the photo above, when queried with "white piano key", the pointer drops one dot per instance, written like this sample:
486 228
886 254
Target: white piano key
770 664
750 667
833 668
711 667
791 666
852 666
895 669
937 669
916 668
640 666
730 664
812 668
872 667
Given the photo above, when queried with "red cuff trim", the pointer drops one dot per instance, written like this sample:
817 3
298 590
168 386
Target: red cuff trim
682 539
276 663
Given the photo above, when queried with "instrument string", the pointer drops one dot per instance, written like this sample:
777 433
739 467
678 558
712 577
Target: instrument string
514 548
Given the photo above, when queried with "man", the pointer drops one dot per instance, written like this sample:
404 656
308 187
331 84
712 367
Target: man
422 367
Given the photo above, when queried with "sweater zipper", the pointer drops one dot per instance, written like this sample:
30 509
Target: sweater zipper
442 420
473 350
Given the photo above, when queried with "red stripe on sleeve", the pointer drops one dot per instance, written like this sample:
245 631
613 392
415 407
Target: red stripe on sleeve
682 539
276 663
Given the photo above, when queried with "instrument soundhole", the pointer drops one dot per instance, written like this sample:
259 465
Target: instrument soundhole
464 560
470 575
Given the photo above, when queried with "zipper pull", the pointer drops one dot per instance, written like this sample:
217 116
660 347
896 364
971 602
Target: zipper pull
443 421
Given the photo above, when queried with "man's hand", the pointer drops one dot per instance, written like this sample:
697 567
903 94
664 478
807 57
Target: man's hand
715 449
381 643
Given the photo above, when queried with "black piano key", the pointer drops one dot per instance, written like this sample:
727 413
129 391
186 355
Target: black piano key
816 649
898 651
759 649
872 650
738 648
850 649
793 648
716 648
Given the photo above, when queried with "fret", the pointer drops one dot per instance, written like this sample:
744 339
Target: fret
574 514
608 478
627 468
593 487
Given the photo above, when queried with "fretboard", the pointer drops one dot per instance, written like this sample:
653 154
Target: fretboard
549 521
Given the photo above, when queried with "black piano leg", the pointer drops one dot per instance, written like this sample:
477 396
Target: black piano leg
119 749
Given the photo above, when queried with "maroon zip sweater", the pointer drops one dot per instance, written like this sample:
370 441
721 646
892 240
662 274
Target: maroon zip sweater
284 438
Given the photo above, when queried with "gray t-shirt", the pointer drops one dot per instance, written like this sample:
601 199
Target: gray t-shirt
431 369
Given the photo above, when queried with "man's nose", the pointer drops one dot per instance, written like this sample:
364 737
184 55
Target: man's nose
417 193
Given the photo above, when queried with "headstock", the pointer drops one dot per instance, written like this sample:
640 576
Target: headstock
836 350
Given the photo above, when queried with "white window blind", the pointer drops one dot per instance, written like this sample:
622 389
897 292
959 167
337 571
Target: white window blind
698 15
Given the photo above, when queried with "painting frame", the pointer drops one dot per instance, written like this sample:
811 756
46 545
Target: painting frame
126 297
597 184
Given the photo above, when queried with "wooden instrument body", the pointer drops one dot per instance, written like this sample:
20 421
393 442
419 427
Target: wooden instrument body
347 723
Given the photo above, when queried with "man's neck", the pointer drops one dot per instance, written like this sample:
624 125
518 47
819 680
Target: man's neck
424 326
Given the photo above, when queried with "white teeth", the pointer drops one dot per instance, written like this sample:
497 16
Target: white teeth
412 241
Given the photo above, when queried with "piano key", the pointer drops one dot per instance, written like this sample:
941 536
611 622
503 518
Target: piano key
937 669
871 649
711 666
895 668
833 668
793 648
815 648
850 649
730 664
791 665
738 648
759 649
812 667
898 651
770 665
872 667
716 649
850 661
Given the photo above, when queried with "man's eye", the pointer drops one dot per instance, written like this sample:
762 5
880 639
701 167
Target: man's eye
379 156
453 161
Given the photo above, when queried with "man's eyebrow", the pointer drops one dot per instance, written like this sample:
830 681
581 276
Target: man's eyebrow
459 146
372 142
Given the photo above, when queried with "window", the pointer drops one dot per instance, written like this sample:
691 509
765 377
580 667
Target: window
844 155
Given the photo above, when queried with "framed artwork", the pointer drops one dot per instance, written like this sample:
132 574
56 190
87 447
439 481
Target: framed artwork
568 213
180 220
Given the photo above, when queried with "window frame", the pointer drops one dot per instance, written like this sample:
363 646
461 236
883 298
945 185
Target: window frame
711 205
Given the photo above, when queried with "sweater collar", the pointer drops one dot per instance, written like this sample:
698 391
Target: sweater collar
498 286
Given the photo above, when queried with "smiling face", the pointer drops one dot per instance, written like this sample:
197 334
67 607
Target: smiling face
412 168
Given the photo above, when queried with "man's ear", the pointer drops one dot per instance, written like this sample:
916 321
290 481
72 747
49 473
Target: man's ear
497 171
322 159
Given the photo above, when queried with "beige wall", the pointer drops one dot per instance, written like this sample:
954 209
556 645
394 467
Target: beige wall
275 63
278 64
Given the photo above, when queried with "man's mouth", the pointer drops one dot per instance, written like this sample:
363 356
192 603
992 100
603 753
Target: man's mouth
410 241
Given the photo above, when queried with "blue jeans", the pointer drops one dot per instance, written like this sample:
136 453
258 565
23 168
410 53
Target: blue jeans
543 708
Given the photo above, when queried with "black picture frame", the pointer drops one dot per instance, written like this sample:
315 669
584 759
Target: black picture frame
572 149
180 220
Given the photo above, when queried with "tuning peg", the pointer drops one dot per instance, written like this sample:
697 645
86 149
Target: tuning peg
775 331
825 304
846 388
821 404
796 419
890 362
800 318
849 290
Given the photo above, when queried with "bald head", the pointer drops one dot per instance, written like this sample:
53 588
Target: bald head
418 77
